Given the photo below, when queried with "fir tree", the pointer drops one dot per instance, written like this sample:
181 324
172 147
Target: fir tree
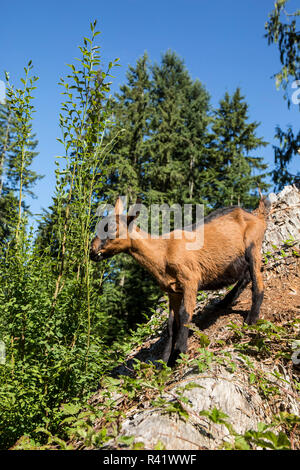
8 201
131 110
282 29
10 151
5 137
236 172
195 143
289 145
161 119
127 177
178 137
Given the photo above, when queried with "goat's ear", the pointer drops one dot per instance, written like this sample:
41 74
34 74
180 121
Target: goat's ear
119 207
134 211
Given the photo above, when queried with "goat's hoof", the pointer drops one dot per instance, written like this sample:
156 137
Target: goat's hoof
173 358
166 356
251 320
223 304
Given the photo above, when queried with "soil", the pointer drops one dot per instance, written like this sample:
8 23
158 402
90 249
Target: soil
281 304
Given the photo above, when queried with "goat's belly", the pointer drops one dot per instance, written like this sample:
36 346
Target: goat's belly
229 275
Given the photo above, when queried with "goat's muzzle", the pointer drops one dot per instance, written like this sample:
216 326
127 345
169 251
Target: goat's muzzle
96 256
95 250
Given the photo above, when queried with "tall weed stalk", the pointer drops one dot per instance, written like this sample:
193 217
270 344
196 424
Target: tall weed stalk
52 321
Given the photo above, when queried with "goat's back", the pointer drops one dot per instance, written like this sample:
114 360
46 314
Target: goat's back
220 258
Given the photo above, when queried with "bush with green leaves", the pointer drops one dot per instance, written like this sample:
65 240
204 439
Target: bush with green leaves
52 321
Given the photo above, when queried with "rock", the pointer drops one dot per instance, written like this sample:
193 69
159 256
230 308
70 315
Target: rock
284 218
215 389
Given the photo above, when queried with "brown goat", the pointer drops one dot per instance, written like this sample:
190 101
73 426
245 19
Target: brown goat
231 253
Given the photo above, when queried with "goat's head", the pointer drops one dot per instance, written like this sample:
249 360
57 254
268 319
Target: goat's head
114 234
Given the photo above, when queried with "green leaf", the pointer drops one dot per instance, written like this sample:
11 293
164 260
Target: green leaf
127 440
71 408
252 378
241 443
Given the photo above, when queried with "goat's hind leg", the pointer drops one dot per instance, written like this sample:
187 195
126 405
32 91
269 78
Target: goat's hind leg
236 291
253 257
184 316
175 301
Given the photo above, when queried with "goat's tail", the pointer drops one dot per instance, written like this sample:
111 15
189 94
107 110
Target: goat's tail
263 208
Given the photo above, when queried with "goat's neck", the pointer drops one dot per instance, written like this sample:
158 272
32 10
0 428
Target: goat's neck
151 254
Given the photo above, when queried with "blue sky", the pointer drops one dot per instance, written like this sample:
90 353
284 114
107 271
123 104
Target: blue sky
220 41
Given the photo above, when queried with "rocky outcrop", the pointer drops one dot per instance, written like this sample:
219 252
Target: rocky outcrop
284 218
216 389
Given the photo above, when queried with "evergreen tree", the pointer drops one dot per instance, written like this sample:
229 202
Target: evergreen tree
282 28
10 174
196 140
134 290
289 146
8 215
8 202
131 110
165 171
161 119
30 177
178 132
5 136
47 236
235 173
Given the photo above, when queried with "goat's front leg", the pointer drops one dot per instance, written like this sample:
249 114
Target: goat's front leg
183 317
175 301
253 257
